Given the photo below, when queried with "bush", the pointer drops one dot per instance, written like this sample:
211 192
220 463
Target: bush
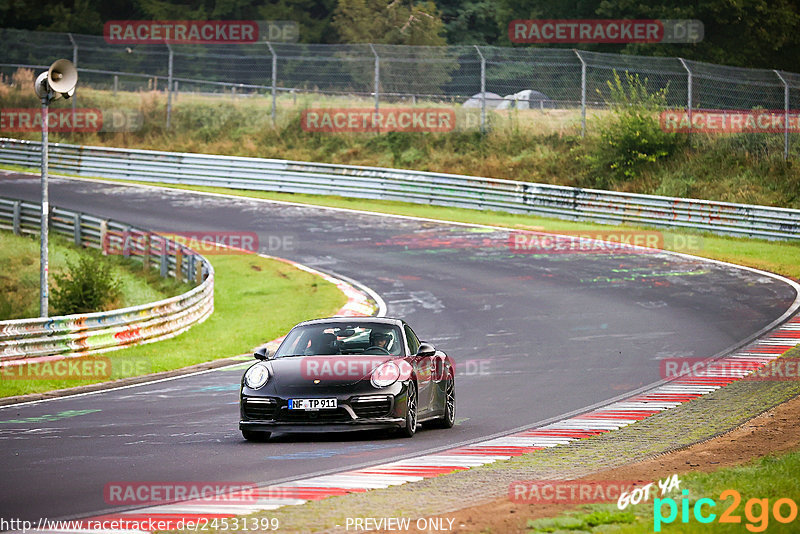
87 286
633 138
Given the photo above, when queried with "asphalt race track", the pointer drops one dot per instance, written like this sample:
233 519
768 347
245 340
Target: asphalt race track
552 334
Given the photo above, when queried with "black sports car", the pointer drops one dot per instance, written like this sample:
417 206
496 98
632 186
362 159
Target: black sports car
347 373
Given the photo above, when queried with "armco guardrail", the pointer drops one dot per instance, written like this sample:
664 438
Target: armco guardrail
75 335
410 186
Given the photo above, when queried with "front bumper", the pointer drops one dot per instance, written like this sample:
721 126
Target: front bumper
371 410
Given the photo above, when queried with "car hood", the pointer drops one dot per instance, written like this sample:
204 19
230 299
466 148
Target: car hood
298 372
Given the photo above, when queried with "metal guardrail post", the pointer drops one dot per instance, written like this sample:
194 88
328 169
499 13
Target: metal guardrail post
16 217
164 258
274 82
126 242
146 253
76 229
785 115
483 90
198 272
104 237
191 269
689 91
583 93
169 85
377 77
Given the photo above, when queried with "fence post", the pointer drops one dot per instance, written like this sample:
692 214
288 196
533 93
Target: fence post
583 93
116 84
178 263
785 115
17 217
377 76
483 90
169 85
689 90
274 81
74 62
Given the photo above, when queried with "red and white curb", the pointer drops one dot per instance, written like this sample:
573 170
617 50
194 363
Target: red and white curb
607 418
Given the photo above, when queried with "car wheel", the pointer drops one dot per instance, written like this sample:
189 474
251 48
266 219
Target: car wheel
449 417
255 435
411 412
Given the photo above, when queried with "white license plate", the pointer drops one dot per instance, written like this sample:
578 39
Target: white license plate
312 404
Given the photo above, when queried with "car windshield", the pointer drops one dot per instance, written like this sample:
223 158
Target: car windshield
342 338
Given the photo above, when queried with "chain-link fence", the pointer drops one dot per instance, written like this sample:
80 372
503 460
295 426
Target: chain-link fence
478 77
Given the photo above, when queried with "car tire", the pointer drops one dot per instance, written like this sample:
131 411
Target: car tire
449 417
255 435
411 413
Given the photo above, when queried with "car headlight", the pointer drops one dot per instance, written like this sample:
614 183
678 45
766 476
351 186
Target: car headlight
385 375
256 376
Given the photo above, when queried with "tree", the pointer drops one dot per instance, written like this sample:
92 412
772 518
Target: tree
397 22
388 22
472 22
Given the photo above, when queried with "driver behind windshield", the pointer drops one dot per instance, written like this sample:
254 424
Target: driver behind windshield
379 340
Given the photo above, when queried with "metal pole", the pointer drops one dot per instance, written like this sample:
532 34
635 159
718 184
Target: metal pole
785 115
74 62
583 93
689 91
44 293
483 90
169 85
377 77
274 81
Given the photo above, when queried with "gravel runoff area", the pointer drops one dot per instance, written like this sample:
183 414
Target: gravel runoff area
690 423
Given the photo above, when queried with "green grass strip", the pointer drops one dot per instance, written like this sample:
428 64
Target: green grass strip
770 478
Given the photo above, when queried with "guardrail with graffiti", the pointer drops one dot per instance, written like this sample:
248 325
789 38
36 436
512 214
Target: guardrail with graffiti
75 335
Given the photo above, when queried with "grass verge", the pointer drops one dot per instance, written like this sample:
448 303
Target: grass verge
19 276
256 300
759 484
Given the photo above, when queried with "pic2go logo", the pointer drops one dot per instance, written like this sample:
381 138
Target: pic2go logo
756 511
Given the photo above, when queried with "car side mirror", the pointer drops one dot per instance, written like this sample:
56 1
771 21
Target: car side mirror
261 354
426 349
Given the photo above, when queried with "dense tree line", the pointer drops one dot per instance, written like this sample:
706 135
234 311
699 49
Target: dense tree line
750 33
